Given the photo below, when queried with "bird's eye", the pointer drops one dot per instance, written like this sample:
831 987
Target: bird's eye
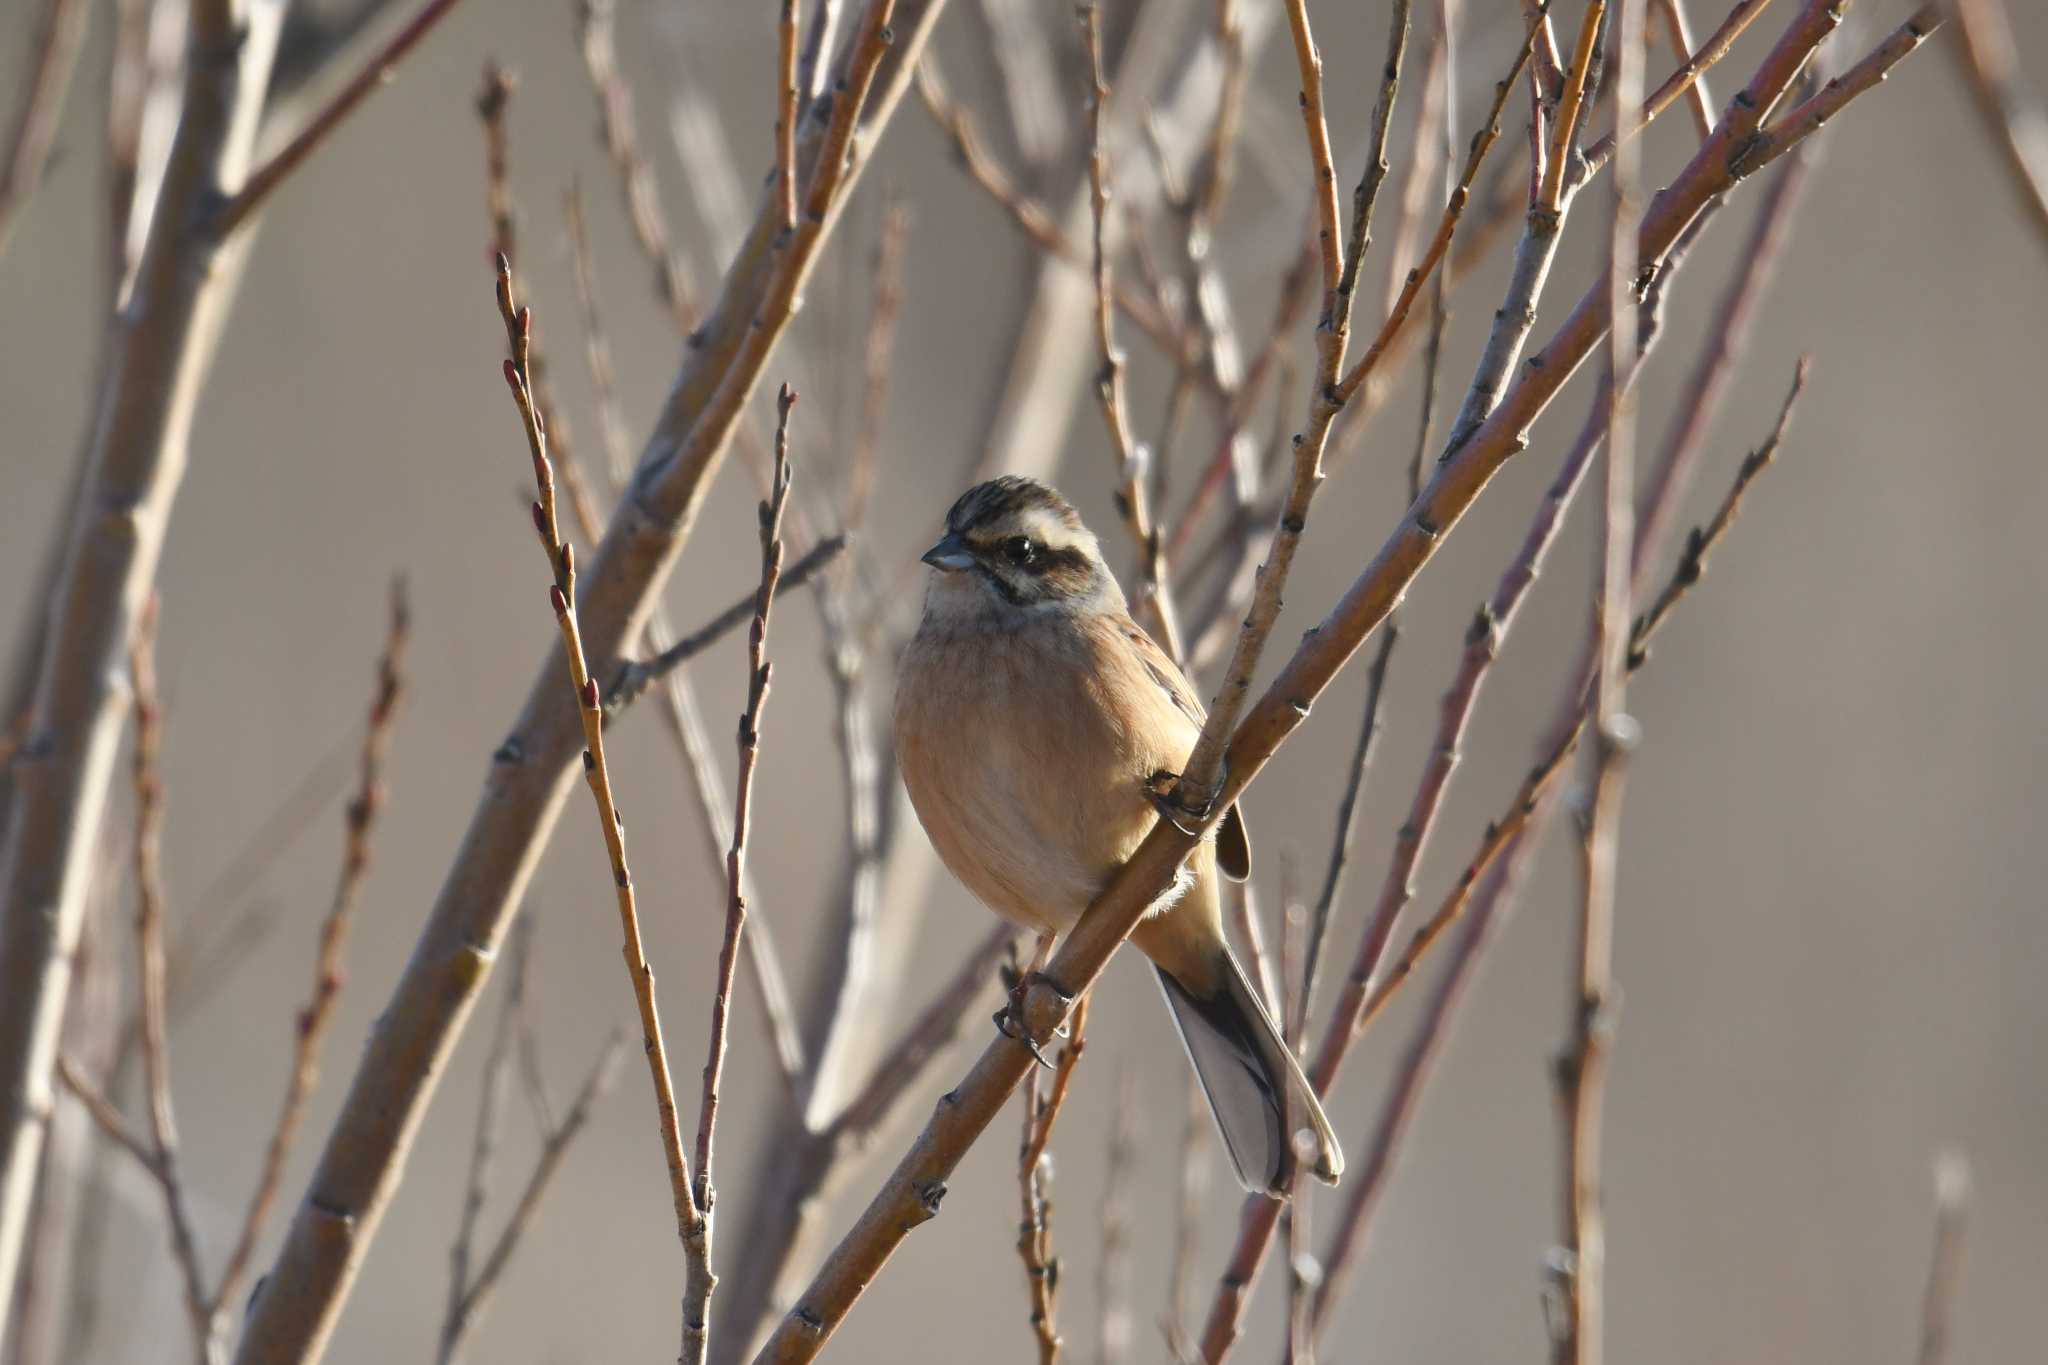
1020 551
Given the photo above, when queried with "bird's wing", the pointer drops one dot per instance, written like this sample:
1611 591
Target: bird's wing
1233 839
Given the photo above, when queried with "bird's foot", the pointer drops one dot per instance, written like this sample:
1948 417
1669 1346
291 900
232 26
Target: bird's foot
1163 790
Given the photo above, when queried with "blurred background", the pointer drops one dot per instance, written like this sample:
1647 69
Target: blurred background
1830 918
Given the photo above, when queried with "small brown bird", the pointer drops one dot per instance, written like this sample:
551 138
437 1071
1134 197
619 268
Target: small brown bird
1033 716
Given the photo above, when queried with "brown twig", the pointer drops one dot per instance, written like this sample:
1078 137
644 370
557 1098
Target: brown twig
635 676
636 178
785 113
878 351
1113 1272
130 471
360 1165
696 1307
1034 1177
1193 1189
51 62
1689 73
1986 50
1132 501
1031 216
1204 770
464 1315
328 971
1700 544
1580 1331
690 1222
1945 1270
149 957
1457 480
375 73
1678 28
484 1146
1480 892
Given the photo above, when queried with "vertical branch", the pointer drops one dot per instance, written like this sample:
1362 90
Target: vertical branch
1945 1271
1132 476
52 60
1679 30
785 114
1113 1274
690 1222
149 959
328 969
696 1306
1581 1071
1034 1178
2015 123
484 1146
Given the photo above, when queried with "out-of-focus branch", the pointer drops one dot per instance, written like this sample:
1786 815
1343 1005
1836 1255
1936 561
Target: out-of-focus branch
375 73
51 62
1132 476
1113 1271
528 780
635 676
1690 72
490 1111
172 306
1986 49
636 179
469 1308
328 969
1712 170
1678 28
149 964
133 465
1945 1270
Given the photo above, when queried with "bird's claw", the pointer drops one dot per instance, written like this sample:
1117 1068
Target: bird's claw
1163 790
1011 1026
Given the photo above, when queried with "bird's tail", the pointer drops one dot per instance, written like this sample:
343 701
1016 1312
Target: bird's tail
1254 1085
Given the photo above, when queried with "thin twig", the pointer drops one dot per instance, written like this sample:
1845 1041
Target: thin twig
1678 28
696 1307
375 73
690 1222
1712 170
596 1083
149 955
878 353
1988 53
1132 501
1580 1334
1692 70
1113 1272
1203 772
51 61
328 970
1945 1270
360 1166
1034 1178
785 114
1701 542
636 179
484 1147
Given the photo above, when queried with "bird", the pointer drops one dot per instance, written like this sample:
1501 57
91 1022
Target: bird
1035 722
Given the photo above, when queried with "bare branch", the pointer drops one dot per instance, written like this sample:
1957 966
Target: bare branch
376 73
690 1221
1945 1271
51 61
1986 48
596 1083
697 1297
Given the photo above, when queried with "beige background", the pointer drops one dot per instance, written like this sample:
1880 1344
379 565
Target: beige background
1831 932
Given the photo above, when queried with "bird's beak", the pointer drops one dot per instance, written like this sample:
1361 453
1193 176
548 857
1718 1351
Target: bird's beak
949 555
